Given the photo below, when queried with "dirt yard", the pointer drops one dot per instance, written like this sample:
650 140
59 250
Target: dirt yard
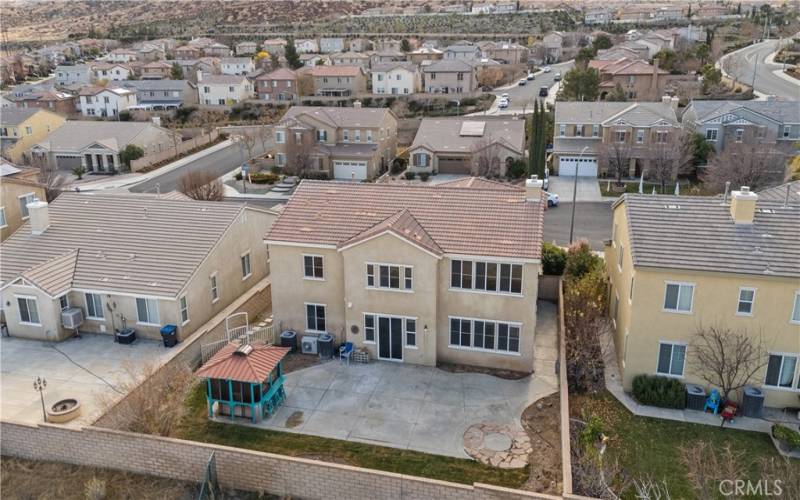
541 421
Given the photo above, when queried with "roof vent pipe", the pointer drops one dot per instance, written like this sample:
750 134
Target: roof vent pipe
727 190
786 199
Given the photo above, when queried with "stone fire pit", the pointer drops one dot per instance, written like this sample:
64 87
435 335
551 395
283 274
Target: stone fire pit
499 445
64 411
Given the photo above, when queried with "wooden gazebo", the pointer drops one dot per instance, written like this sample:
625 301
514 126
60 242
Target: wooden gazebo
245 381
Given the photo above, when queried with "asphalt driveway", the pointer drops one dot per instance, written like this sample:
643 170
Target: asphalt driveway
410 406
588 188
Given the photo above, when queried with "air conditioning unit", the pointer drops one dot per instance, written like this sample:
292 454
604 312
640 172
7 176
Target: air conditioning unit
308 345
72 318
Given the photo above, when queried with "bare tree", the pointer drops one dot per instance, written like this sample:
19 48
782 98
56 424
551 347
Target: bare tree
49 178
264 134
726 358
707 465
669 159
247 139
758 166
490 76
202 186
615 158
485 158
305 84
732 66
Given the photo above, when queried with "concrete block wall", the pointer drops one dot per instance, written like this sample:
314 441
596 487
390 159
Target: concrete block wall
236 468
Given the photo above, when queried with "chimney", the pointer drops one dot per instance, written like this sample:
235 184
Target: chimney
533 189
199 76
743 206
357 104
665 99
674 103
39 216
156 121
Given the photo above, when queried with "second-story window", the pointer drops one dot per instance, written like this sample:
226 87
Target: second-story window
662 136
393 277
312 267
486 276
562 130
345 135
322 135
369 135
678 297
787 130
595 130
639 136
746 298
739 134
280 138
711 134
578 130
620 135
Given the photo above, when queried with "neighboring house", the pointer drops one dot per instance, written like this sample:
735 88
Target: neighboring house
553 44
246 48
396 78
79 74
156 70
18 186
425 54
191 67
351 59
669 13
306 46
187 52
50 265
385 56
278 86
584 129
339 81
274 46
223 90
774 122
597 16
63 103
505 7
505 52
471 146
217 50
162 94
389 45
151 52
415 274
21 128
710 10
359 45
631 51
236 65
462 52
105 101
96 145
111 72
634 13
633 35
344 143
314 59
640 80
330 45
449 77
681 264
121 56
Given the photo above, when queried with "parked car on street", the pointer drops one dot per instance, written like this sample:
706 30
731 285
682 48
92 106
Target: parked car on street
557 77
547 69
503 104
531 76
552 199
522 82
543 91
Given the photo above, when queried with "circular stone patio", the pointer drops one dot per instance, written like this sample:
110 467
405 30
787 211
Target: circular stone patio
498 445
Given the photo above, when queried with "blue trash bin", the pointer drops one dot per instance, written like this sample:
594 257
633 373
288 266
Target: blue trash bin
170 335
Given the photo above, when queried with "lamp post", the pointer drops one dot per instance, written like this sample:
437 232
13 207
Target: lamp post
574 194
39 385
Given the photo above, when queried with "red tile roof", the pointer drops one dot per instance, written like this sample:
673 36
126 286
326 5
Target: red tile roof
459 220
477 182
337 70
625 66
279 74
253 367
404 225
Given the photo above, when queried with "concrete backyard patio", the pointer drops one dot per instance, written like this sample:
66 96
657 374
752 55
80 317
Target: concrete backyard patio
408 406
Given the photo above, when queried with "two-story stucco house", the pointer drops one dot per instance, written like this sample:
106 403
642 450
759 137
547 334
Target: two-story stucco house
329 45
462 51
222 90
126 275
21 128
774 122
278 86
586 133
351 59
679 265
640 80
396 78
344 143
105 101
414 274
79 74
18 187
162 94
467 146
236 65
112 71
306 46
338 81
449 77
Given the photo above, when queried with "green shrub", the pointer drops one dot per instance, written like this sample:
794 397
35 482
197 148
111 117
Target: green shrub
423 176
238 176
398 165
315 176
517 169
554 259
581 260
264 178
659 391
783 433
410 175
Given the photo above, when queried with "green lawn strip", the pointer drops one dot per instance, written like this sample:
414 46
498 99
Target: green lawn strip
651 447
197 427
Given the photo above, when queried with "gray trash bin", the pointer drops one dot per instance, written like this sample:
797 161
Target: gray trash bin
289 339
752 402
695 397
325 344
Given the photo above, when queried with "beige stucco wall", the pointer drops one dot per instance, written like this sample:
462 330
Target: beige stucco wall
343 290
10 191
41 124
714 303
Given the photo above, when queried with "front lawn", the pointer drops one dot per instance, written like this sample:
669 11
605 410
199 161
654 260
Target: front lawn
633 187
651 447
195 426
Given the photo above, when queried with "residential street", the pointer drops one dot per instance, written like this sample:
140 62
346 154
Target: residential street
522 97
592 221
766 82
217 163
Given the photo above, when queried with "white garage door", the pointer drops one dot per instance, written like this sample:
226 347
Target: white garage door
347 170
585 167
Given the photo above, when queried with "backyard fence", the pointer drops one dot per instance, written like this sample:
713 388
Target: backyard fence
264 335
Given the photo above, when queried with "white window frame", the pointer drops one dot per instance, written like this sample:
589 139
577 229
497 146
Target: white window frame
401 274
671 357
374 329
280 137
562 130
680 285
151 315
214 283
752 301
23 208
86 297
316 317
496 336
793 384
407 332
183 303
620 256
28 299
739 135
711 135
639 136
244 258
795 317
313 277
473 278
63 304
3 220
595 130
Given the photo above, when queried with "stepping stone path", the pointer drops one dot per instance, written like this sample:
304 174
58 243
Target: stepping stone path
499 445
287 184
